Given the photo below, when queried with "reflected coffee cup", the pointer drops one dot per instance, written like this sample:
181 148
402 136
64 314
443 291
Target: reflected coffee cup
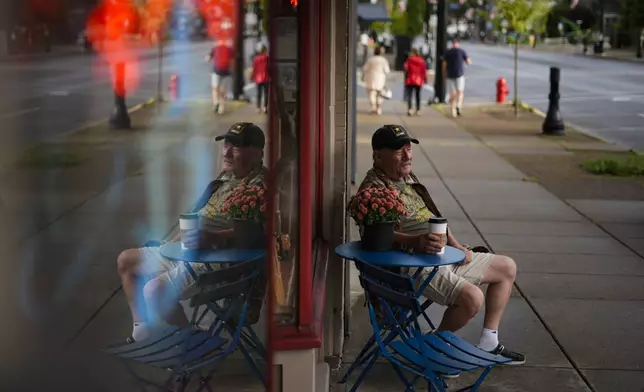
438 225
187 222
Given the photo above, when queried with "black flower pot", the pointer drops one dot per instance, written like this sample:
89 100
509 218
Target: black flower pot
378 237
248 234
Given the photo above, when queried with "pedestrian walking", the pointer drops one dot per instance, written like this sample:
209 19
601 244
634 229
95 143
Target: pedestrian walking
416 76
222 58
454 62
374 74
261 79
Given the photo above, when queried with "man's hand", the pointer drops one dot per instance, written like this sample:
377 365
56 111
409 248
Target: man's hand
430 243
198 239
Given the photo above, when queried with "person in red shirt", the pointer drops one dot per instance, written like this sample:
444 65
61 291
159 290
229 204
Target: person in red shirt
222 57
416 76
261 78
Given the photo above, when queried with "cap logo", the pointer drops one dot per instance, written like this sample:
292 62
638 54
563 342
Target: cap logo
398 131
237 128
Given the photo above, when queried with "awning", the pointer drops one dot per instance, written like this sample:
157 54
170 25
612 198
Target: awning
368 12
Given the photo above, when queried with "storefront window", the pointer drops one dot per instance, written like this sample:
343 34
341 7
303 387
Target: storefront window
285 108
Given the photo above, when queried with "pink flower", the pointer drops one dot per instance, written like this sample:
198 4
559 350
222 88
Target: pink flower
253 203
360 217
244 208
390 205
367 195
382 210
374 206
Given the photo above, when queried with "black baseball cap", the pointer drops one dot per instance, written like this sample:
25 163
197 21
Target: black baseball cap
244 134
391 136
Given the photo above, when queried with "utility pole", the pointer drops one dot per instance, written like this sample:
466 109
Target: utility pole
441 47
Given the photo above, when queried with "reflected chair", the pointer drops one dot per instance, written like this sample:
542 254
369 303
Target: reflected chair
191 351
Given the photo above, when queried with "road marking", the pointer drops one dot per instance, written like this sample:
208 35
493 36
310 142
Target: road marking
59 93
20 112
621 99
640 114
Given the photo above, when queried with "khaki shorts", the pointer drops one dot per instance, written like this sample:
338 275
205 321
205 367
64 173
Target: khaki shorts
448 282
155 266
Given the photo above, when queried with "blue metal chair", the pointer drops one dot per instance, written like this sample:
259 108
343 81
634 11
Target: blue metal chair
395 281
191 351
431 357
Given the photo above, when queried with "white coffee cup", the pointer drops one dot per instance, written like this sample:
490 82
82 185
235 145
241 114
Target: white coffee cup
187 222
438 225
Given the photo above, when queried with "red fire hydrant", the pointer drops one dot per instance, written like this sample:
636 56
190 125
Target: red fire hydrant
501 90
174 86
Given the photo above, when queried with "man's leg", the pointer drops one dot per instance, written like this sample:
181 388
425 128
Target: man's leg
467 305
460 90
500 276
214 84
499 272
373 94
162 300
462 298
135 267
452 95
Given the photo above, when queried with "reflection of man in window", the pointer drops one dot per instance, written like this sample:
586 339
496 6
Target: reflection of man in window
152 284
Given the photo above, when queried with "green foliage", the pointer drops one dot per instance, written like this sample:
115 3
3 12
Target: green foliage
399 24
523 15
632 14
415 17
48 157
630 166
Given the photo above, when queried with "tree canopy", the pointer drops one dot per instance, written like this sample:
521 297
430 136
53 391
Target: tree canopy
524 15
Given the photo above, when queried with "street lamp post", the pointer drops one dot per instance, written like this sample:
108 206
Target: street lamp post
441 47
238 88
120 118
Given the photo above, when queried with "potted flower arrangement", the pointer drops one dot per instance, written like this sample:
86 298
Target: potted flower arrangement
246 206
376 212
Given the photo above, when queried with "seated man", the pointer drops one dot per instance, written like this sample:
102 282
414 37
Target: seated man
456 287
154 285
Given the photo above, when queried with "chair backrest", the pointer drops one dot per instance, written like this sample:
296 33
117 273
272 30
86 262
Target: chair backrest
401 299
240 288
229 274
398 282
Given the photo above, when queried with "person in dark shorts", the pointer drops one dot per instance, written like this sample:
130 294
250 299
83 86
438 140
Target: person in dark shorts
454 62
221 56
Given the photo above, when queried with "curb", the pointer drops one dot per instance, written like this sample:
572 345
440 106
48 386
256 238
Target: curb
575 128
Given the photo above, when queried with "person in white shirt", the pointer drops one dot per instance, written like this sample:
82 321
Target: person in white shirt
374 74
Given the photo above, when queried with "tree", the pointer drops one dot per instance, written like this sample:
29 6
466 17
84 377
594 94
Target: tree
522 16
415 17
633 21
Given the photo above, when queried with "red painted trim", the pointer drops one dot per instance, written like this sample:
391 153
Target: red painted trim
306 133
290 337
321 105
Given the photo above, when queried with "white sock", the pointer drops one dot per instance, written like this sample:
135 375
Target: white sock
489 339
141 331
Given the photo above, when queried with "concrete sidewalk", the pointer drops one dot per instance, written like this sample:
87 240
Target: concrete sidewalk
578 307
62 230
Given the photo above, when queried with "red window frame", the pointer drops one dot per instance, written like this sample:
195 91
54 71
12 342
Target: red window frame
306 333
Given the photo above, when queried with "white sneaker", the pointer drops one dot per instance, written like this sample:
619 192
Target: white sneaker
454 114
220 109
379 111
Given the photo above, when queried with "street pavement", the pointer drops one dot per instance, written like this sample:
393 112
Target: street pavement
43 97
576 312
600 96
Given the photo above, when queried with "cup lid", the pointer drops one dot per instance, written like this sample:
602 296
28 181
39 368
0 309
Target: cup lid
437 219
